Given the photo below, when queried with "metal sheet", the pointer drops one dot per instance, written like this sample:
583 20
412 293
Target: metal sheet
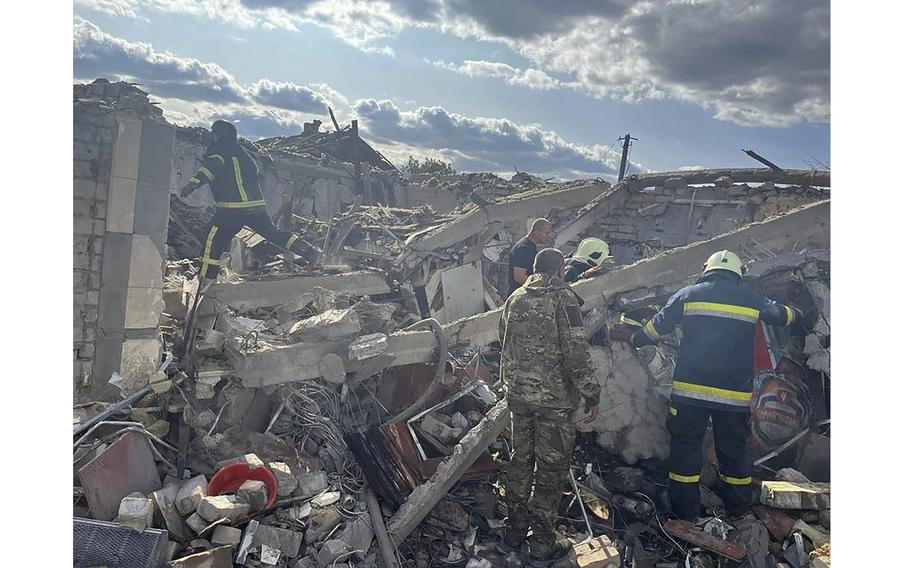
126 466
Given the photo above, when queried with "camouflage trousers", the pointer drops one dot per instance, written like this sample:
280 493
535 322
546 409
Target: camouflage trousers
542 443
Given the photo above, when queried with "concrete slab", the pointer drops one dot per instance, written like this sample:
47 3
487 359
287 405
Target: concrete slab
146 263
121 205
125 161
126 466
143 308
139 359
246 296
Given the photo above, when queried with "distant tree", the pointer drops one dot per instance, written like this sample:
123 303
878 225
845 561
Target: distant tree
428 166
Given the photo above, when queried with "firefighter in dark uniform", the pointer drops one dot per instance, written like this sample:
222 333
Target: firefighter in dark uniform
713 378
233 176
588 260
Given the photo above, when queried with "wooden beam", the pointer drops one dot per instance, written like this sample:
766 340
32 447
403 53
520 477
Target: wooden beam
426 496
689 533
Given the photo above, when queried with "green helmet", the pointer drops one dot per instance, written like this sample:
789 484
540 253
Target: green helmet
593 251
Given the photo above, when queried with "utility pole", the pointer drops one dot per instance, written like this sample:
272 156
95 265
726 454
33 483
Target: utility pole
626 144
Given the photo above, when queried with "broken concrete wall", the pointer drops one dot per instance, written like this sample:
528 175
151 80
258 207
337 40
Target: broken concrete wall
124 147
632 413
296 183
665 217
94 130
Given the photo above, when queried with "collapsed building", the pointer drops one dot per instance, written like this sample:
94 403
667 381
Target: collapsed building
351 412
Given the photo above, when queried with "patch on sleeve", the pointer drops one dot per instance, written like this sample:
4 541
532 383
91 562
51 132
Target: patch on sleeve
573 312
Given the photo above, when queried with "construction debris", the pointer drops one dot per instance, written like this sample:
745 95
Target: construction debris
338 413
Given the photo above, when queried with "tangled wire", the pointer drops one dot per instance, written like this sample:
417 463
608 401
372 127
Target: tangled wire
318 413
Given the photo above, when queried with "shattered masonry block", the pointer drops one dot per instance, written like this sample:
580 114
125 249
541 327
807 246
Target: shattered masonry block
255 493
287 541
287 483
437 429
222 507
597 553
368 346
252 460
136 512
190 494
330 551
330 324
322 523
227 535
358 533
196 523
310 483
326 499
788 495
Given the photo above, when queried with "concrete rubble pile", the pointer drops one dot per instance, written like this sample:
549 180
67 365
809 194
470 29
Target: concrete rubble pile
351 413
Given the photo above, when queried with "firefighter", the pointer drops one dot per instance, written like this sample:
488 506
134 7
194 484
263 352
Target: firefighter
713 378
233 176
588 260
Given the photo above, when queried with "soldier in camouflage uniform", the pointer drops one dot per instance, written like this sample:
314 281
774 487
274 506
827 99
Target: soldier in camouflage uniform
547 371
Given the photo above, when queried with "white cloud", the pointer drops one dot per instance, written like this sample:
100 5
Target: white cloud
485 144
531 78
97 54
754 63
194 93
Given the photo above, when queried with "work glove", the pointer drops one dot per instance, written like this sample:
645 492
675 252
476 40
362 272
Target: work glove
621 333
798 315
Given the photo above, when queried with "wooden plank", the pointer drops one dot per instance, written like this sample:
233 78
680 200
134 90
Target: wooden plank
690 533
779 524
425 497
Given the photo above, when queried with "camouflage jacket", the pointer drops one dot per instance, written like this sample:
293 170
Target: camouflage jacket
545 359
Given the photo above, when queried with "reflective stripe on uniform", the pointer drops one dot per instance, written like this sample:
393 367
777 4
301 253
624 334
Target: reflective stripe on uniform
730 311
239 178
194 179
291 241
711 394
651 331
673 411
207 173
790 315
219 157
736 480
240 204
629 321
207 251
684 478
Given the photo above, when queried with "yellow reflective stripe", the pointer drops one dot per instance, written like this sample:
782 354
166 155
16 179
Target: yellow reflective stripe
790 315
652 331
239 177
673 411
291 241
207 173
684 478
720 310
207 251
194 179
219 157
629 321
736 480
711 394
240 204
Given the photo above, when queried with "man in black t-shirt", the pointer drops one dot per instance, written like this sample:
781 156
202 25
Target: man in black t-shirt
521 259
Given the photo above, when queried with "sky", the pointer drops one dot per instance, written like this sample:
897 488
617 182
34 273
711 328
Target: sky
539 86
